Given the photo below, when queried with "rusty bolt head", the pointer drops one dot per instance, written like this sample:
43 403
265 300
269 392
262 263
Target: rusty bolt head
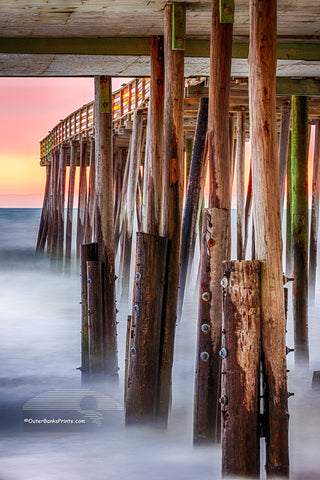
224 282
206 296
204 356
211 242
227 10
205 328
138 276
223 400
223 352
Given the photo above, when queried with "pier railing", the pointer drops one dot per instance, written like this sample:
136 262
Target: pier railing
81 122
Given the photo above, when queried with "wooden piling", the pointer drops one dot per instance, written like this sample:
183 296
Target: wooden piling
72 173
105 219
240 184
248 208
283 150
127 356
314 215
219 160
154 175
172 197
207 383
300 225
90 211
267 224
142 386
88 252
133 175
54 206
289 220
95 332
191 207
43 226
61 198
240 371
82 201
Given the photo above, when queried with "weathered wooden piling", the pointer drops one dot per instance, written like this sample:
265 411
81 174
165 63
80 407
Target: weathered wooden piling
53 246
174 31
88 252
240 372
219 161
127 227
154 176
283 150
191 207
300 227
95 331
82 200
240 184
44 220
72 173
142 382
248 208
105 219
207 383
267 224
61 198
314 227
91 206
289 221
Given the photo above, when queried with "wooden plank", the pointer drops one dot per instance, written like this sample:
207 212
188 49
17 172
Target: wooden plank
178 26
267 226
226 11
300 227
240 370
137 46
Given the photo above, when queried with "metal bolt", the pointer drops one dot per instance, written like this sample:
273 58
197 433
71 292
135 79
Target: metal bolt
206 296
223 352
227 11
133 350
211 242
223 400
138 276
205 328
290 394
288 350
224 282
204 356
136 308
89 311
89 281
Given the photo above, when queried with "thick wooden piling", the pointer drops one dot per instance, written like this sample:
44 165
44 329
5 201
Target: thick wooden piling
154 175
72 173
54 206
105 219
248 208
219 160
283 150
82 201
314 227
267 224
207 383
191 207
43 226
240 371
95 332
142 385
240 184
300 225
172 207
88 252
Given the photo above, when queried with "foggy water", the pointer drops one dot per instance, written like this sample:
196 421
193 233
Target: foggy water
39 356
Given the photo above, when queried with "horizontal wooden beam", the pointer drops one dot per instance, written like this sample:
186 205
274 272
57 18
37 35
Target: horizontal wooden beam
137 46
309 87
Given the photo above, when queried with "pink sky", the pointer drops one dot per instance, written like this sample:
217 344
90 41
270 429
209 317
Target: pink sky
30 107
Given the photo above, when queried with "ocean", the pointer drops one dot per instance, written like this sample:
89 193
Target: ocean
40 384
